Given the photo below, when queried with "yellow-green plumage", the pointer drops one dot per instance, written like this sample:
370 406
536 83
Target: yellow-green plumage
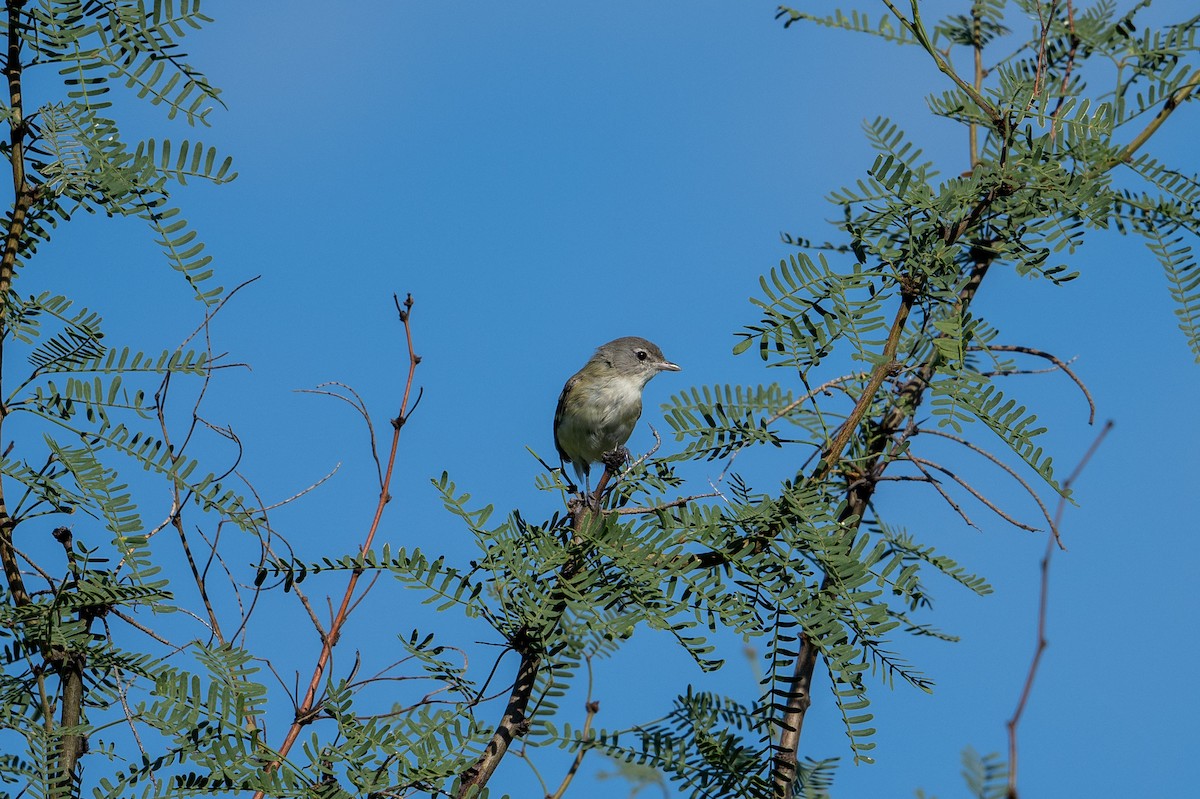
601 403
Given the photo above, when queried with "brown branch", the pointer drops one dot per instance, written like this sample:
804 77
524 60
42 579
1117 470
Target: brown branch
513 724
308 707
24 196
1043 600
1010 470
973 492
592 708
1058 362
798 696
885 366
528 643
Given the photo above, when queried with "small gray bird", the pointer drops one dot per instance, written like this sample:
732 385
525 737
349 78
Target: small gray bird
602 402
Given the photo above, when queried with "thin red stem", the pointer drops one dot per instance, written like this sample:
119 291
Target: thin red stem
306 708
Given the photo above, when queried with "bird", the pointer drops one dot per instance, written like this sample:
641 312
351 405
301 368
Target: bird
601 403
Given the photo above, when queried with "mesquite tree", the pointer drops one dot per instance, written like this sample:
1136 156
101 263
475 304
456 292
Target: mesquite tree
872 336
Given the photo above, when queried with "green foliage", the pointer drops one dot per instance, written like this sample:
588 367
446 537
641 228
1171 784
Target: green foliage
856 22
862 332
82 162
986 776
89 410
807 308
811 565
708 745
1183 277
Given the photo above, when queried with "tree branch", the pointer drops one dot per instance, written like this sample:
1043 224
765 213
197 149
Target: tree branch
306 711
528 642
1058 362
513 724
12 243
1173 102
798 697
1043 599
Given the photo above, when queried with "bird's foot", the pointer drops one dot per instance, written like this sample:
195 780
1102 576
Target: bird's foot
615 459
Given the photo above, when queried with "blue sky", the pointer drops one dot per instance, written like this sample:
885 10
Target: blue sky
544 177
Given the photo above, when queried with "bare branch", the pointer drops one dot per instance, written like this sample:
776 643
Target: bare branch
675 503
1008 469
592 708
1043 600
328 641
937 484
1049 357
360 408
972 491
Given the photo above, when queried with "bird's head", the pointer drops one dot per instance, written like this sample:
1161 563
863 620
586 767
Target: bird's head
636 357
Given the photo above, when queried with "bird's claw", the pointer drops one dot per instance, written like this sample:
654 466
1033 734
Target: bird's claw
613 460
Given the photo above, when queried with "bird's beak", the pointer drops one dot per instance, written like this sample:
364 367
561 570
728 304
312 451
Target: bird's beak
667 366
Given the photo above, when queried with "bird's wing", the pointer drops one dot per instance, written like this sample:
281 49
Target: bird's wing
558 415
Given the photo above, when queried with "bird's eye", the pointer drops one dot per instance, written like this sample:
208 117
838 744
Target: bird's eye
641 355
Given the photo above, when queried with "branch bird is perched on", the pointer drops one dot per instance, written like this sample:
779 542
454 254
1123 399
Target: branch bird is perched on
602 402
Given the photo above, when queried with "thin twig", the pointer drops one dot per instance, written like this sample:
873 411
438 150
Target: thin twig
1044 23
1008 469
972 491
360 407
937 484
592 707
1058 362
33 565
305 710
122 692
143 628
1073 38
645 455
812 393
288 500
212 312
1043 600
675 503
